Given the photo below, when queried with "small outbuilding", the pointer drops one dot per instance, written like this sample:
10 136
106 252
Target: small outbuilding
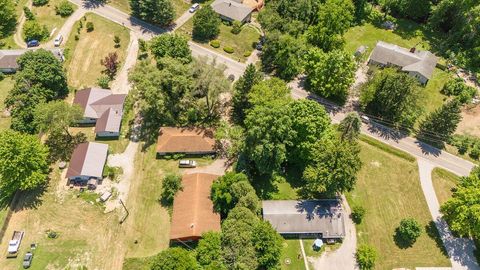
185 140
86 164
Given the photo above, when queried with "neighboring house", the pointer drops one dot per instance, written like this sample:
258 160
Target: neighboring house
8 58
306 218
418 64
233 10
102 108
86 164
193 212
189 141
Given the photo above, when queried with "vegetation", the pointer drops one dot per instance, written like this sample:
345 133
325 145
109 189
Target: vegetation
350 127
444 183
209 251
241 91
358 212
64 8
456 87
9 17
206 24
440 125
111 64
90 26
171 184
366 257
407 232
28 14
39 2
159 12
33 30
171 45
173 259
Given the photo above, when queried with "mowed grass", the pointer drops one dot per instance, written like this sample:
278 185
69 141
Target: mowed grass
5 86
444 182
431 98
46 16
388 187
84 55
291 258
8 41
180 6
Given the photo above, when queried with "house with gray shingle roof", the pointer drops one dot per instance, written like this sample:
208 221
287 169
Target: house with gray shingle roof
8 58
418 64
232 10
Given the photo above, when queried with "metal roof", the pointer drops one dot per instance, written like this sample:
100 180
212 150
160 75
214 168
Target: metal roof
88 159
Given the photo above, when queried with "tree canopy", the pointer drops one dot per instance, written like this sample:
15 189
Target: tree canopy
172 45
174 259
209 251
206 24
160 12
442 123
241 92
350 126
9 17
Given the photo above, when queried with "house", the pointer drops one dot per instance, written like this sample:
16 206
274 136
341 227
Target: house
193 212
233 10
306 218
188 141
102 108
86 164
8 58
418 64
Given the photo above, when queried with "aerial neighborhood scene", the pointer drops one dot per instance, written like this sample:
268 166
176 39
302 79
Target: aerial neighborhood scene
240 134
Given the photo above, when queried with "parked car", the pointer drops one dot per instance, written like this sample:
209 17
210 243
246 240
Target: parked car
58 40
33 43
14 244
194 8
259 46
365 118
27 260
186 163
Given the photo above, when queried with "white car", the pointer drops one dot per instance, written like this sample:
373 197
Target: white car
194 8
58 40
185 163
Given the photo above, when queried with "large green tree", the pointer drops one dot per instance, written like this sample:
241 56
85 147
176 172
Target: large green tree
174 259
172 45
417 10
241 91
209 251
9 17
161 12
206 24
350 126
23 162
268 244
442 123
330 74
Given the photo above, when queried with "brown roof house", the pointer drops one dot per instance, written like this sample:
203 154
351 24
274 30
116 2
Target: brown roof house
418 64
189 141
8 58
87 162
193 210
102 108
233 10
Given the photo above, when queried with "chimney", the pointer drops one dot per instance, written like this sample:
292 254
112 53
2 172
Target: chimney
412 50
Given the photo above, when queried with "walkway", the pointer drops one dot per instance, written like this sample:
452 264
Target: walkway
459 250
18 37
66 27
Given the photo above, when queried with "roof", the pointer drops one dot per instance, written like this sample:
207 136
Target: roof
110 121
185 140
88 159
231 9
8 58
423 62
306 216
192 208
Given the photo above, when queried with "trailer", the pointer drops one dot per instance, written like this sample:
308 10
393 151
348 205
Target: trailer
14 244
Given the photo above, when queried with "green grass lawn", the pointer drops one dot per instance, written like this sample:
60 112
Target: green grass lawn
83 56
5 86
443 182
8 41
291 258
46 16
180 5
431 99
388 186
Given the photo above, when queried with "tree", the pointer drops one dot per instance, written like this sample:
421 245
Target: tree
33 30
330 74
172 45
174 259
392 96
442 123
333 168
23 162
268 244
61 145
90 26
241 91
366 257
358 212
64 9
160 12
417 10
407 232
457 87
117 41
236 27
268 91
40 78
38 3
171 184
209 251
103 82
9 17
206 24
350 126
111 64
28 14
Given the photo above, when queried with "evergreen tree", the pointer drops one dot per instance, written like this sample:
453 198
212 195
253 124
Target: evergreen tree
442 123
242 90
350 126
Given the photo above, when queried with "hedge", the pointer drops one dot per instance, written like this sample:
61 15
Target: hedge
215 43
228 49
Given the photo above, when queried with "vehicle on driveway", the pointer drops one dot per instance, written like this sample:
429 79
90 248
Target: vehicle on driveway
194 8
27 260
14 244
58 40
186 163
33 43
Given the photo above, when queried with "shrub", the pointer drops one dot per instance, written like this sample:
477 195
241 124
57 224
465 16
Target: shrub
116 39
77 37
247 53
33 30
112 172
236 27
52 234
366 257
28 14
215 43
358 212
475 151
38 3
2 76
64 9
171 184
407 232
228 49
104 82
90 26
456 87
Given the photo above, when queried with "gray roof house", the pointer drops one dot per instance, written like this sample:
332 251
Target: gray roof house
8 58
102 108
306 218
87 162
232 10
418 64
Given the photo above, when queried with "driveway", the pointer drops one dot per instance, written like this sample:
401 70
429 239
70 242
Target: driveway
218 167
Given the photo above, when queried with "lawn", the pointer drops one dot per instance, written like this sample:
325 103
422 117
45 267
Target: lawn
443 183
83 56
8 41
180 6
291 258
46 16
244 42
431 98
5 86
388 186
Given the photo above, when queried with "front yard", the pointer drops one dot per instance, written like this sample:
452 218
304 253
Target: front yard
180 5
46 16
443 183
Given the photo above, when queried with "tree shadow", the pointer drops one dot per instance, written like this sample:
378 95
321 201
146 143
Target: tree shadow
29 199
433 233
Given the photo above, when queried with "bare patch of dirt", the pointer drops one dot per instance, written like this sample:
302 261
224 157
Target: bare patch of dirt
470 123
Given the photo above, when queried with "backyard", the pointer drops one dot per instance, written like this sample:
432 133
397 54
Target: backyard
443 183
83 56
388 186
46 16
5 86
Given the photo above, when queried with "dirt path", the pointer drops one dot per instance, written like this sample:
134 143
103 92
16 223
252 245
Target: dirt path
67 27
17 37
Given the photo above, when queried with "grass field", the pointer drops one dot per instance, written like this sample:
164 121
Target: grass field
432 98
5 86
84 55
443 182
388 186
46 16
291 258
8 41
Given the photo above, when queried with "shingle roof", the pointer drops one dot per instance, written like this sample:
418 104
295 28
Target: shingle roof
110 121
8 58
86 97
231 9
88 159
192 208
308 216
423 62
185 140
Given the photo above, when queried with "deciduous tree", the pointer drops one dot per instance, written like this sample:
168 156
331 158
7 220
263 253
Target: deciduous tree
172 45
160 12
174 259
206 24
268 245
209 251
407 232
111 64
366 257
171 184
9 17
